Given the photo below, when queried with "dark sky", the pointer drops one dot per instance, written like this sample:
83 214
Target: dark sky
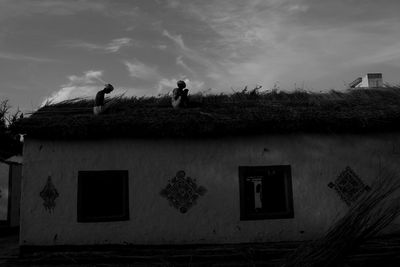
54 49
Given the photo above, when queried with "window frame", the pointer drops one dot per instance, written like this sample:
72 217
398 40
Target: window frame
81 217
246 215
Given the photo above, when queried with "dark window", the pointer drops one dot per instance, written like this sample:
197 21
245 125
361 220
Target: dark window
102 196
265 192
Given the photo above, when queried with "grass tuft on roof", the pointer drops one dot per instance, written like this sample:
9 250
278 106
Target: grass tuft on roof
240 113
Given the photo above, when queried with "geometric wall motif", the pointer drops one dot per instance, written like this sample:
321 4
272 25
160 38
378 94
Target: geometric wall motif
182 192
49 195
349 186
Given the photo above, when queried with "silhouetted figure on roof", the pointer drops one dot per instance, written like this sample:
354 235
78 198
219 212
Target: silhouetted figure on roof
180 95
99 101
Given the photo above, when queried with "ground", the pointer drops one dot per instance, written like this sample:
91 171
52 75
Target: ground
383 251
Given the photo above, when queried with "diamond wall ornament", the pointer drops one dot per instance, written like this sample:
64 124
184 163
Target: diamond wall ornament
49 195
182 192
349 186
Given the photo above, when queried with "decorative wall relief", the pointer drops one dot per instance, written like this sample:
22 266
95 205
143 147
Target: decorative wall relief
349 186
49 195
182 192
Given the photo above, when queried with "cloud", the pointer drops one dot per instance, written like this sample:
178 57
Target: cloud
194 55
161 47
385 54
78 86
176 38
194 85
141 71
179 62
11 8
172 3
19 57
253 41
165 86
112 47
117 44
291 41
298 8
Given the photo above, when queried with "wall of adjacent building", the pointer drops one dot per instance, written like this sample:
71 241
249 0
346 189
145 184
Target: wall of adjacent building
4 184
370 81
315 160
375 82
15 194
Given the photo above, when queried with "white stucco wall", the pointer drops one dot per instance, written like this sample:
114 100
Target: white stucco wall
364 83
370 82
315 161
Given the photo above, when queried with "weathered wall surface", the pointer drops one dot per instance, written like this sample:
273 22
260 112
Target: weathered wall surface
15 194
315 161
4 183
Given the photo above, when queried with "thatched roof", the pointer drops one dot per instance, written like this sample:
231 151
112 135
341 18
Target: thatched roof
244 113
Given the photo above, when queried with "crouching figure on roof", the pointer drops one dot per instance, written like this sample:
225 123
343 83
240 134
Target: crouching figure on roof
99 101
180 95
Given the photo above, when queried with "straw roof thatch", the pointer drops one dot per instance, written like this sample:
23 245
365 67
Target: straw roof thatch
243 113
372 213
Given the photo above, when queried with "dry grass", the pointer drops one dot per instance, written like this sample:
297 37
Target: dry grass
368 216
242 113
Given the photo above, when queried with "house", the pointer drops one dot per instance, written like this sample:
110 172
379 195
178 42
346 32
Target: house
371 80
10 191
234 169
